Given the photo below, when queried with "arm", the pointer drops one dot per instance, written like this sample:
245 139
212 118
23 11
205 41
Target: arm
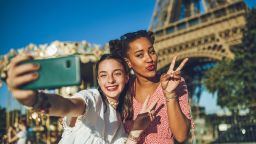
170 82
178 122
60 106
11 132
25 73
13 139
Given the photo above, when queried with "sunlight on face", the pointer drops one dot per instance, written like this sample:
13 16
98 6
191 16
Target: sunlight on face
142 58
112 78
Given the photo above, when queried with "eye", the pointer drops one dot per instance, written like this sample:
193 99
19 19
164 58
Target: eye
118 73
140 55
152 51
102 75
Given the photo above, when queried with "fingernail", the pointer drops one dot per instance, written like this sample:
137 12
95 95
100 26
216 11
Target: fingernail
35 74
36 65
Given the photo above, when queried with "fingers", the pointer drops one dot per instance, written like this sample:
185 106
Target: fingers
144 106
172 64
15 61
149 109
177 73
153 105
141 121
172 76
152 116
182 64
171 69
15 71
19 75
21 80
164 81
165 76
25 68
20 58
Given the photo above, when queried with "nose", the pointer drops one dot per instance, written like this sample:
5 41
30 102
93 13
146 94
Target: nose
111 79
149 58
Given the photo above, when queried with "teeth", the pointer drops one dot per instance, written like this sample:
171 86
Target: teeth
111 87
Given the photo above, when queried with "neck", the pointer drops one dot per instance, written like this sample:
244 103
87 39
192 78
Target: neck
144 87
112 100
146 82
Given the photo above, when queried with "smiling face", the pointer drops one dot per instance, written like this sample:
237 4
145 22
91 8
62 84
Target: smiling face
142 58
112 78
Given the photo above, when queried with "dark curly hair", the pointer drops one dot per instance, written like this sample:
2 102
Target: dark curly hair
121 46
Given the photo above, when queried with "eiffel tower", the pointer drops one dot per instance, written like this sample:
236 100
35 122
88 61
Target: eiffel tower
205 31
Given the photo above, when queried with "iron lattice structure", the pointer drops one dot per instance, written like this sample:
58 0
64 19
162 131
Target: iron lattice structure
205 31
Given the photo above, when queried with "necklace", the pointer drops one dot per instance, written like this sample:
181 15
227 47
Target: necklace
113 104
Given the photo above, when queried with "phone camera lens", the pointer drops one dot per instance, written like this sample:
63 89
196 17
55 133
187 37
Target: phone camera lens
68 64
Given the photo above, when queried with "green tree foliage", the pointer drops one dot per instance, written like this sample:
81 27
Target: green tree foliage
234 80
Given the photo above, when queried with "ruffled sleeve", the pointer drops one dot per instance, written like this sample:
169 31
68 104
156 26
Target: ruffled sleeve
91 99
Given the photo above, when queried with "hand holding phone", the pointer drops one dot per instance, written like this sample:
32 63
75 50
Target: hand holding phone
56 72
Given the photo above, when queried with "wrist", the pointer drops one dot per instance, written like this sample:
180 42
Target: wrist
34 99
170 96
29 102
41 103
134 135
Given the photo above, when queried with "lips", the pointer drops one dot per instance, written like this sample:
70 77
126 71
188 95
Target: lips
151 68
112 88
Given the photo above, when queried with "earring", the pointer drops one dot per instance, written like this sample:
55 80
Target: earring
131 72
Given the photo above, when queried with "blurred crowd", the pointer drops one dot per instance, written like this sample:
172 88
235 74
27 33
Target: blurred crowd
21 133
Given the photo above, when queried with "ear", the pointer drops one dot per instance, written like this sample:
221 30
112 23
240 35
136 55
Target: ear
128 62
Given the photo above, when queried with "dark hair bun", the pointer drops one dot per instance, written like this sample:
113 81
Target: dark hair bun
151 37
115 47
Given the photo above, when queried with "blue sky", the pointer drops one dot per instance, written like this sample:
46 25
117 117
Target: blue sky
33 21
26 21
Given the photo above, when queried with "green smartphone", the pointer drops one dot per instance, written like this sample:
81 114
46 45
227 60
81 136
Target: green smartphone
56 72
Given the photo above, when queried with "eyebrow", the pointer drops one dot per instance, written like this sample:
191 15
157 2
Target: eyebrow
138 51
113 71
141 50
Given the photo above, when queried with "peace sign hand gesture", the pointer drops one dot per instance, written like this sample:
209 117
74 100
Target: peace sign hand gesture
172 78
146 115
143 120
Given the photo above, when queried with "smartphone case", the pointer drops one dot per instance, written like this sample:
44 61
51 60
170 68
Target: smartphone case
56 72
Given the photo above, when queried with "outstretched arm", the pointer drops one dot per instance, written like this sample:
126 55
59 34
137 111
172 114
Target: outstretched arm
20 74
